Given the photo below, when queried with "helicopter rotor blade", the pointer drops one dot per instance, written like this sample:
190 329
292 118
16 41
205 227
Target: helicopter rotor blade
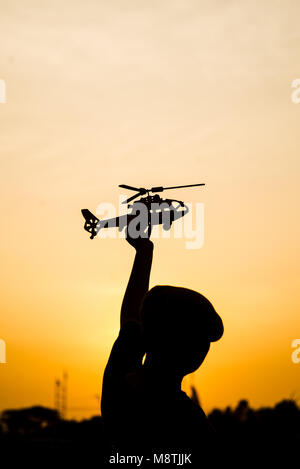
124 186
132 198
142 191
178 187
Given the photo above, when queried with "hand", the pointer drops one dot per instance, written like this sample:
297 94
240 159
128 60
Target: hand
140 244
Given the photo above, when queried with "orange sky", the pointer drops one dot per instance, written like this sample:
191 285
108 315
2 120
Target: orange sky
148 93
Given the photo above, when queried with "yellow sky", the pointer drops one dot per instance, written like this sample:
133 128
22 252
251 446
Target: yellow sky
148 93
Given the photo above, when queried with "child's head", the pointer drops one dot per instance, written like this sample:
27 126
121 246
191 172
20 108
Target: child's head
178 326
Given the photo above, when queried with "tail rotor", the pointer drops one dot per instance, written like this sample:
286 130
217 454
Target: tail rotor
92 223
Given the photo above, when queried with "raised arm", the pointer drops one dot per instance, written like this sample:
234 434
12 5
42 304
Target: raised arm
138 284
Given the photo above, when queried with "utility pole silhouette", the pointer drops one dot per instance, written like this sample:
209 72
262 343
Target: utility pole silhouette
61 395
64 395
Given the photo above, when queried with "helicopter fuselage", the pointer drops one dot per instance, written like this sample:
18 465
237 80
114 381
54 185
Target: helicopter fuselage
147 211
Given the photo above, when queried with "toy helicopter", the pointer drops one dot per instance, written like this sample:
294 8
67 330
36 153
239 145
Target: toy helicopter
157 211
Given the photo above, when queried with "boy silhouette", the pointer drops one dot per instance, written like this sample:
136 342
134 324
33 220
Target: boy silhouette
165 334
